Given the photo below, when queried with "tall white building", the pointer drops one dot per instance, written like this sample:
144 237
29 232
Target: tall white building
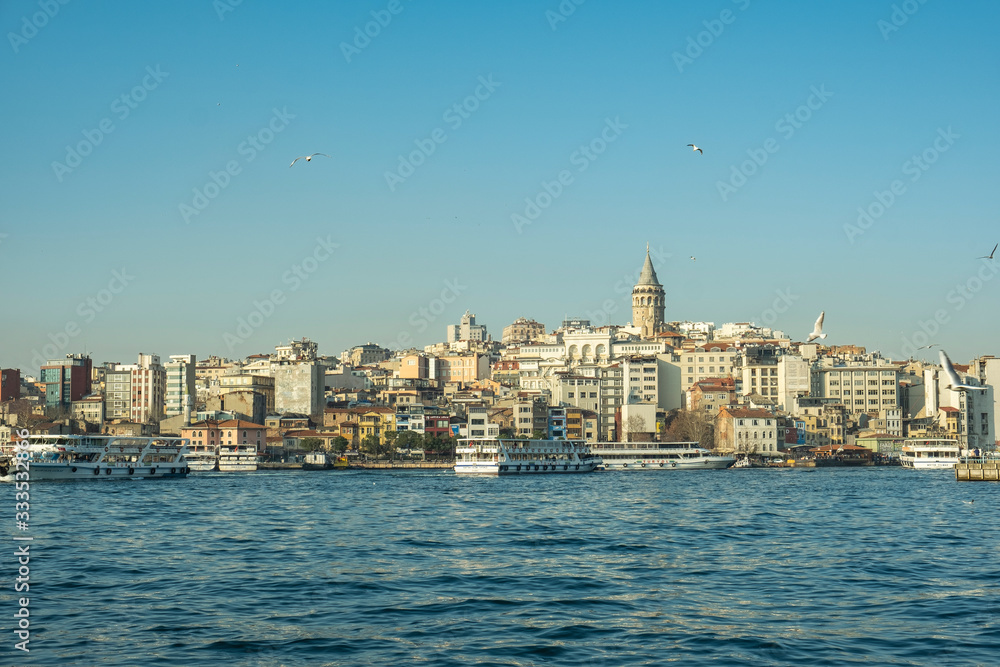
180 386
976 426
300 389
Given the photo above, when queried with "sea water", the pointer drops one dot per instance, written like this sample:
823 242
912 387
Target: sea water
871 566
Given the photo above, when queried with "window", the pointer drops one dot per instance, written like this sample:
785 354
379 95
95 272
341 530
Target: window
571 394
593 394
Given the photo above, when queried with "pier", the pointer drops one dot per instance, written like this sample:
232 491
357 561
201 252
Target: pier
977 471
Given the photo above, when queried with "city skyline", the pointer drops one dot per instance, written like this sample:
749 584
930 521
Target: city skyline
845 167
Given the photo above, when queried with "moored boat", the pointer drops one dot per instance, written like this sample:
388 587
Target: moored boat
930 454
502 456
238 458
60 457
659 456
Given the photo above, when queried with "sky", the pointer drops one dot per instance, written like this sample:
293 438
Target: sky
511 159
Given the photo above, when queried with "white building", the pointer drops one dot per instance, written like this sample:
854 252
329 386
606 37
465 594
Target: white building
299 389
180 386
743 431
863 383
976 426
138 391
466 330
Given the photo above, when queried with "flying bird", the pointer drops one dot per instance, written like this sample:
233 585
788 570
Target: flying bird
953 381
307 158
695 148
693 258
990 256
927 347
817 331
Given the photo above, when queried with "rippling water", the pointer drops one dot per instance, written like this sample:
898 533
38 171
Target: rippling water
736 567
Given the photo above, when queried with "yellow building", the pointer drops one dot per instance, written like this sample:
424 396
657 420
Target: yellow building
377 421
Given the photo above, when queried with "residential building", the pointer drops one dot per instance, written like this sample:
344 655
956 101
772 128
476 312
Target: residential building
460 368
466 330
709 360
147 390
636 422
296 351
66 380
89 409
258 384
117 394
711 394
365 355
743 431
228 433
10 384
180 385
479 425
414 366
581 424
523 330
863 383
299 388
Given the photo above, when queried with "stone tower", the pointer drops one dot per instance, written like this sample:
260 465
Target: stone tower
648 301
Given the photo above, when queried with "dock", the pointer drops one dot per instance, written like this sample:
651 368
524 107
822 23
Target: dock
978 471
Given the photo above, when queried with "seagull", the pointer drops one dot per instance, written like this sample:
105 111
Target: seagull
817 331
954 382
991 253
307 158
927 347
693 259
695 148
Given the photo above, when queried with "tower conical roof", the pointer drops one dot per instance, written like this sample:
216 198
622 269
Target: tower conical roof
648 275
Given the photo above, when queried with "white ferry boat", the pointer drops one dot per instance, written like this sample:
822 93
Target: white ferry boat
102 457
659 456
934 454
502 456
202 459
238 458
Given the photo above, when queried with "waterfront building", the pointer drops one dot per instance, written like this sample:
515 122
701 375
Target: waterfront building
66 380
744 431
228 433
711 394
258 384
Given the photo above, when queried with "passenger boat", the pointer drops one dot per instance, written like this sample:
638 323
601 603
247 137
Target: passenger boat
502 456
936 454
202 459
57 457
238 459
659 456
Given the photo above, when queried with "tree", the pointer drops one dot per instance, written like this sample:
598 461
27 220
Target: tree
390 442
507 433
691 426
339 444
371 446
634 424
310 444
409 440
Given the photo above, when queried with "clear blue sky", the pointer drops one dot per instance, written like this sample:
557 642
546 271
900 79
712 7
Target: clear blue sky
196 86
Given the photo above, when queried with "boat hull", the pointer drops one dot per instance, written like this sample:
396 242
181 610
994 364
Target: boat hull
558 467
707 463
89 471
